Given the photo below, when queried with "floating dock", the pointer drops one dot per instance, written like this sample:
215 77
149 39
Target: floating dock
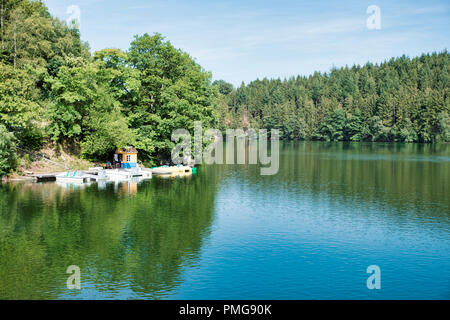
100 174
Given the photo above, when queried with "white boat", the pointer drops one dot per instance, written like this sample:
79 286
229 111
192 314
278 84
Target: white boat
69 177
145 173
161 171
115 174
174 170
99 176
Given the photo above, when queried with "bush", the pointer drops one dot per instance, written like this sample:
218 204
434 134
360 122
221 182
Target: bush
8 158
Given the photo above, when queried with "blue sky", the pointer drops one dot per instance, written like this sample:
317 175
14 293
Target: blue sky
244 40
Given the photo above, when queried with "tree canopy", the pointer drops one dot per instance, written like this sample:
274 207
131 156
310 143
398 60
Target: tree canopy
53 90
402 99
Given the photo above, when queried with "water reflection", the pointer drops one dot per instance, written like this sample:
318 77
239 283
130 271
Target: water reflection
410 177
133 235
308 232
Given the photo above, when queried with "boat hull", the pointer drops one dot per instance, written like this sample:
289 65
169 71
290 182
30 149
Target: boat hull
72 179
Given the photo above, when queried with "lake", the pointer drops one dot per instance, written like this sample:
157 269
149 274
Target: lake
308 232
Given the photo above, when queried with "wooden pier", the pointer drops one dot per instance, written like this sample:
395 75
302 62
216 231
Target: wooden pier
44 177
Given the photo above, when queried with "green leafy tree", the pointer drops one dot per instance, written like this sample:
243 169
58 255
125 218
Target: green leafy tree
354 126
8 160
20 108
86 111
174 92
332 128
224 87
74 92
407 132
444 127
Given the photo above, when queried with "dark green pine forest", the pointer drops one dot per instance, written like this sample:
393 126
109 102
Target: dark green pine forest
55 92
400 100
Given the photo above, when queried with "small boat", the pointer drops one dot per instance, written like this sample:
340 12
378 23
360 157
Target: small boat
145 174
161 171
68 177
99 176
174 170
117 174
181 169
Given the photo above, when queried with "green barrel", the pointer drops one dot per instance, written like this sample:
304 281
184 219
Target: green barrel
194 170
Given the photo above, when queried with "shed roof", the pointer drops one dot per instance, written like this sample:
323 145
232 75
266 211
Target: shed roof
126 150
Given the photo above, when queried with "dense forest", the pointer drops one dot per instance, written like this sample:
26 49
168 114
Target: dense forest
55 92
403 99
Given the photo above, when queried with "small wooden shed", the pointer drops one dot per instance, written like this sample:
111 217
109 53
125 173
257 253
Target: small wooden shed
126 157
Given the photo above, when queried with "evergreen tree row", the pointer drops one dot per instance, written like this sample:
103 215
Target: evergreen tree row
402 99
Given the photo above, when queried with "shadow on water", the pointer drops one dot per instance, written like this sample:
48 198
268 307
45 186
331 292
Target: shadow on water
130 240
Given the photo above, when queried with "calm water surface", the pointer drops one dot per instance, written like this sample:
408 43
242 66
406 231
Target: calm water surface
308 232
